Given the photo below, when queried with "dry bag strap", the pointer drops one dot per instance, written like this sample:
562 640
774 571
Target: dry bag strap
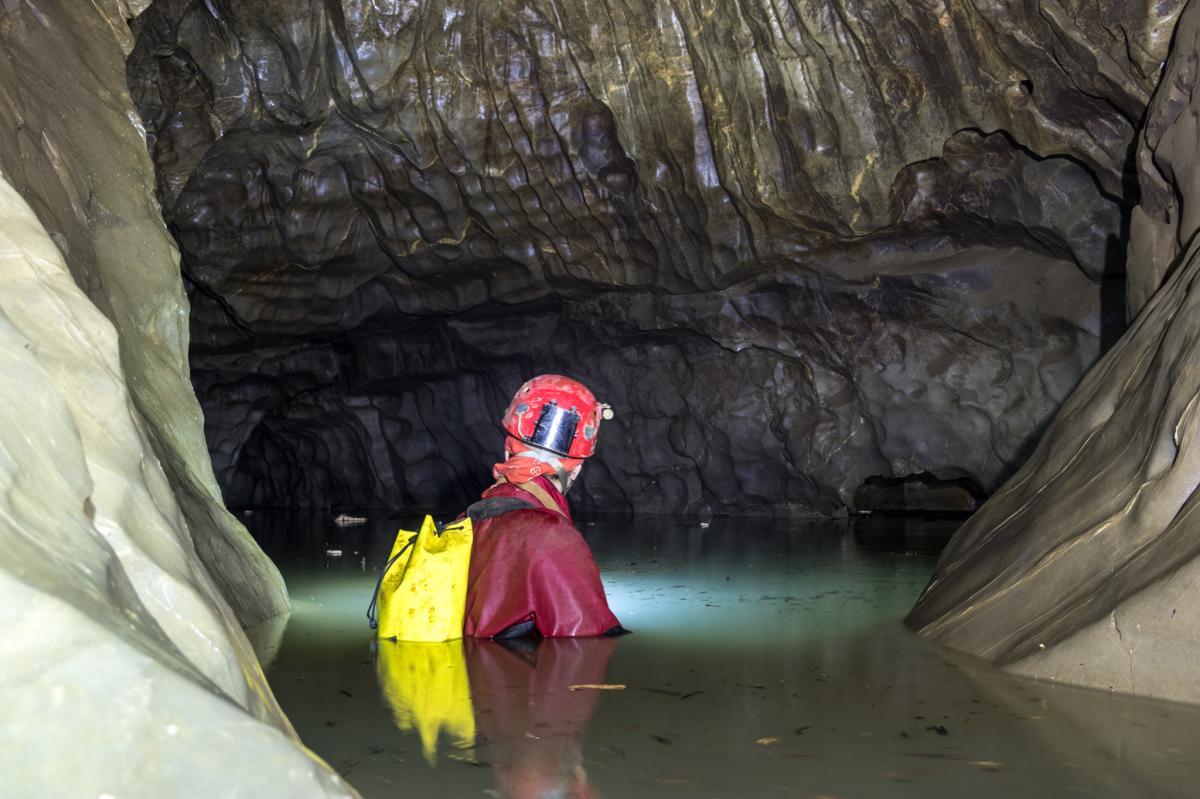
371 609
536 491
492 507
541 495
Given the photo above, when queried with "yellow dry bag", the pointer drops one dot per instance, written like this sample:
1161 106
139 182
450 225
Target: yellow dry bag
422 593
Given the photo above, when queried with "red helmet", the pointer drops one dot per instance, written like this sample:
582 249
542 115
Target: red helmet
557 414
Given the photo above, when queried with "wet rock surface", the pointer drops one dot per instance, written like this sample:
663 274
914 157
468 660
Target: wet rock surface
392 214
1083 568
72 149
119 647
122 577
795 392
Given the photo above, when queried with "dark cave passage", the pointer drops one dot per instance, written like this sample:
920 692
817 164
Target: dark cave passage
920 493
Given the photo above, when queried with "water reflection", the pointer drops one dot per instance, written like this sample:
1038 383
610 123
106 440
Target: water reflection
426 686
267 638
528 713
514 696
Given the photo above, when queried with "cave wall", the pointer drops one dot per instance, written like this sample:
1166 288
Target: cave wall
670 202
1085 566
1164 224
76 154
740 399
126 670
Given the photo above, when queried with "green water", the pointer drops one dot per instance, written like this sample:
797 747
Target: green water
766 660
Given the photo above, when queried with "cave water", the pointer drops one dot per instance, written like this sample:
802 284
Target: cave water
849 272
765 658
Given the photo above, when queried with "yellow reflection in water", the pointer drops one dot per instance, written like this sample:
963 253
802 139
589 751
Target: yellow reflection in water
427 688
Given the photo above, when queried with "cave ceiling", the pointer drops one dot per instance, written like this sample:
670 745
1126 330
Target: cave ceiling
796 244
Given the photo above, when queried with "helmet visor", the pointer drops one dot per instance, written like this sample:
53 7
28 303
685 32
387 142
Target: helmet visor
555 429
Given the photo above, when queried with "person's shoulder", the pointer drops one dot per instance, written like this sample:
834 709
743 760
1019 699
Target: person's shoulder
546 521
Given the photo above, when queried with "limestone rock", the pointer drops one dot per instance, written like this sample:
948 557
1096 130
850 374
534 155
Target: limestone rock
1083 567
72 148
1165 221
794 390
119 652
373 199
122 576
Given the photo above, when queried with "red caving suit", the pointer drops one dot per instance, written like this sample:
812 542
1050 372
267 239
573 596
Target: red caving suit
532 564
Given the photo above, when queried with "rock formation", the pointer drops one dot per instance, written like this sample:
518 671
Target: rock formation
122 577
1084 567
76 155
900 220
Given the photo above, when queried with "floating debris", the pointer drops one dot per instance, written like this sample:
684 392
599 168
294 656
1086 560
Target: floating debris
770 740
346 520
899 776
468 761
940 755
668 692
602 686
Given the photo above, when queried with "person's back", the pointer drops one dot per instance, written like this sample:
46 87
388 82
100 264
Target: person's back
531 570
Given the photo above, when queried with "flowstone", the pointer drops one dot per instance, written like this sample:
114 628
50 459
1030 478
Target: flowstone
119 651
73 148
123 579
1084 568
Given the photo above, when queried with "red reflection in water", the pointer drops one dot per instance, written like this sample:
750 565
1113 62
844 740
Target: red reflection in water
534 722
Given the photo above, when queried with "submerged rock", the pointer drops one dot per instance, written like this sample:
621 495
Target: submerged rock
1085 566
